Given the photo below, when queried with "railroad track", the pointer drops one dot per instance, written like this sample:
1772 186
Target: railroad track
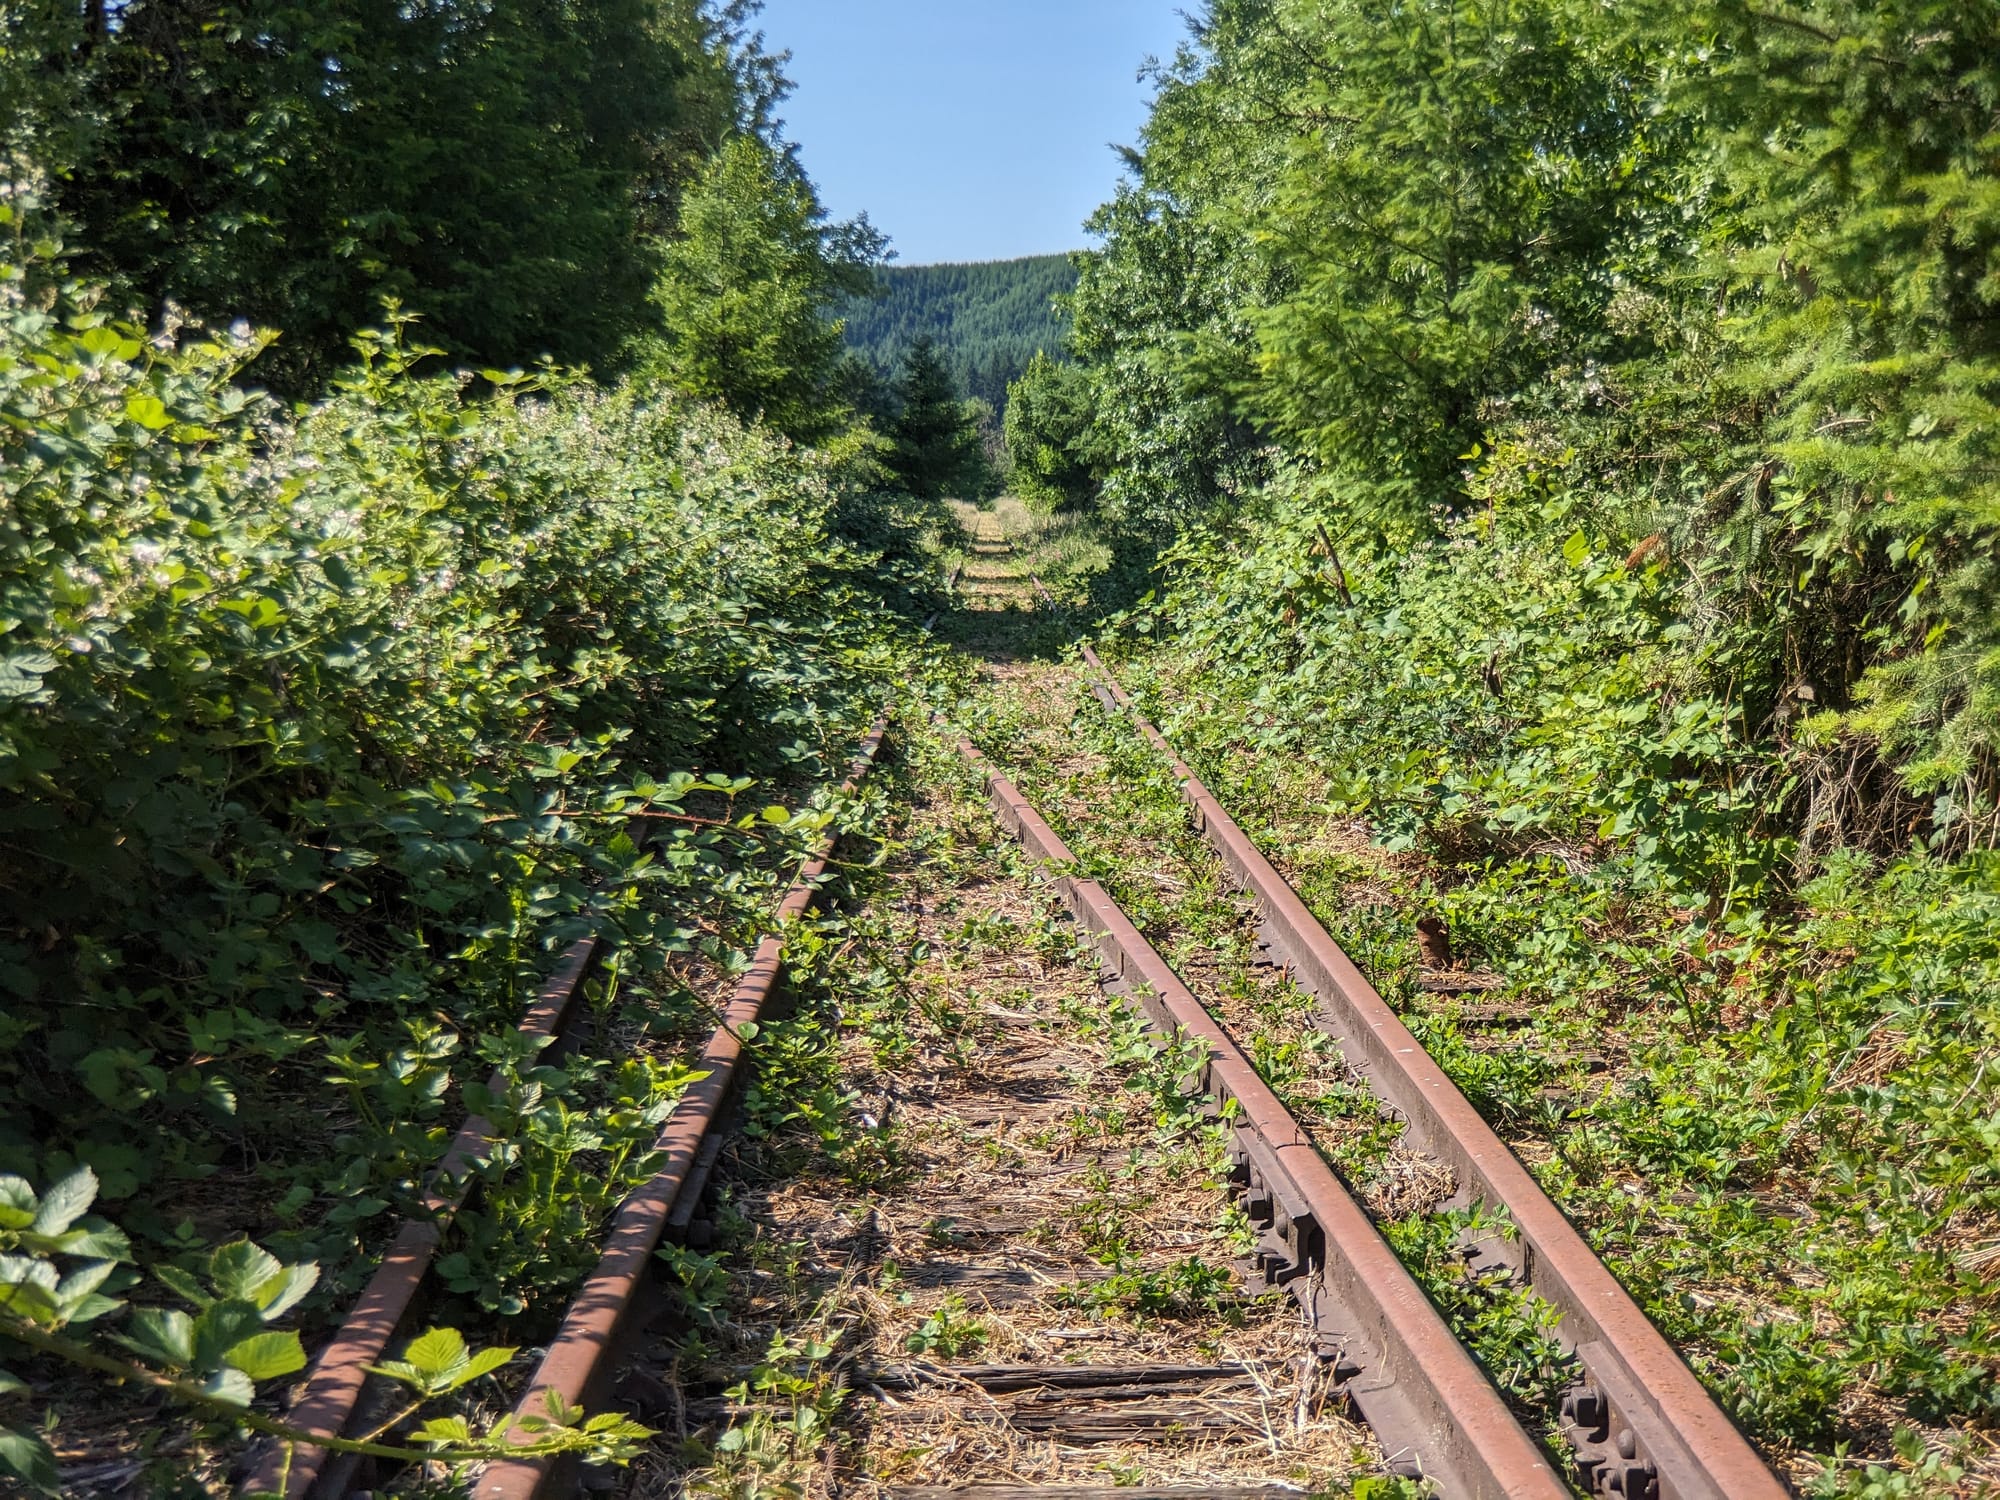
340 1395
1639 1424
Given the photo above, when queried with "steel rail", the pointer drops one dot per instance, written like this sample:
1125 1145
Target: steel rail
338 1376
1434 1410
1642 1424
579 1360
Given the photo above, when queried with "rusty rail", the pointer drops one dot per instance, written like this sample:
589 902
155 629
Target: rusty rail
579 1361
1643 1426
337 1378
1432 1407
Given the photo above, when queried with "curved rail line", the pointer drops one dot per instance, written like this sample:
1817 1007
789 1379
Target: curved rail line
578 1362
1434 1410
1643 1426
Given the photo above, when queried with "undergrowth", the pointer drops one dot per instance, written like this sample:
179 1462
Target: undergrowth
322 735
1756 1067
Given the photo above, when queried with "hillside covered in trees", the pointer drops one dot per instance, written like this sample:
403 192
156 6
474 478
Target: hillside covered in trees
988 320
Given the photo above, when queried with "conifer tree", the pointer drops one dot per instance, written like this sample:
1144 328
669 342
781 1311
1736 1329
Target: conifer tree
937 450
747 289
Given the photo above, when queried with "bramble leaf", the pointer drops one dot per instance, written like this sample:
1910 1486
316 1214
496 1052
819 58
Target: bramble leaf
484 1363
283 1293
66 1202
241 1270
185 1285
266 1356
438 1352
17 1203
221 1329
28 1459
163 1335
231 1386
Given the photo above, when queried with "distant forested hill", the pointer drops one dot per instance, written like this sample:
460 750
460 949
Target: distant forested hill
988 319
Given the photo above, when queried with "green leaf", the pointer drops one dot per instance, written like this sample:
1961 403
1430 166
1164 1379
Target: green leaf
1576 551
84 1280
12 1384
97 1240
163 1335
28 1459
445 1432
404 1374
241 1270
184 1284
266 1356
101 342
232 1386
17 1203
66 1202
441 1351
27 1270
484 1363
149 412
286 1292
221 1329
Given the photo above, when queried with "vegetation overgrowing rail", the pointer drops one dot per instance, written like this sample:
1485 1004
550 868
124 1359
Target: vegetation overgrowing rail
1533 459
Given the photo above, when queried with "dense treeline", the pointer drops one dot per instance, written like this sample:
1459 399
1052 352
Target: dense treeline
511 173
1722 275
1569 433
989 319
328 718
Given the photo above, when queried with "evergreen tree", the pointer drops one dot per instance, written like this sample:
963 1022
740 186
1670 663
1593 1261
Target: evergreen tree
746 290
1048 434
988 320
862 390
936 449
1856 240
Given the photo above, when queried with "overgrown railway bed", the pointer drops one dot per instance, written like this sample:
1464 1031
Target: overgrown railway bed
938 1320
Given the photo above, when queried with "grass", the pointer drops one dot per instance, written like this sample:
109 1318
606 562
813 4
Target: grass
1804 1220
1798 1218
960 1094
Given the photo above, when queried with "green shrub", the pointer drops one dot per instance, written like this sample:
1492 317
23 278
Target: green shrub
315 728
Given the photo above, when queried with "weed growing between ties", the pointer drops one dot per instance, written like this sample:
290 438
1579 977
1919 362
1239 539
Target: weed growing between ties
1008 1172
1116 807
1765 1097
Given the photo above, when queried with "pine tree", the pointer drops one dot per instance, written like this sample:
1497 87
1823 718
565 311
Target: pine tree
746 289
937 451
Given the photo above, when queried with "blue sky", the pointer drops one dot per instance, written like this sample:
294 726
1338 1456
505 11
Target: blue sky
968 129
